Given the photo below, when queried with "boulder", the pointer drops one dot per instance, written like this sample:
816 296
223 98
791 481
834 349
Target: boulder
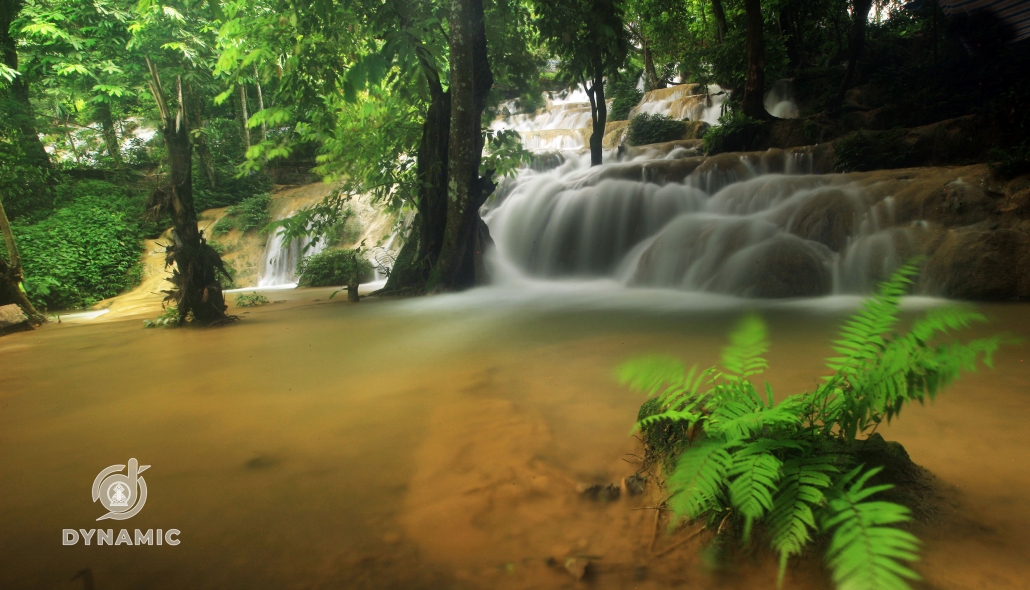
783 267
981 264
829 217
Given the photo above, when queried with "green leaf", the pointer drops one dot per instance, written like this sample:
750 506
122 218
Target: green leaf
865 553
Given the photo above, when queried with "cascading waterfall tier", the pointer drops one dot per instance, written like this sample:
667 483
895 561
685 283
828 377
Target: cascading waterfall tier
750 225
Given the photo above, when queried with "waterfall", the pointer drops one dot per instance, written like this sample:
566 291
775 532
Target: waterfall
749 225
779 100
280 258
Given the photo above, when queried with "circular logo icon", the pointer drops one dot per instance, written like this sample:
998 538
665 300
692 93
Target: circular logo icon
123 495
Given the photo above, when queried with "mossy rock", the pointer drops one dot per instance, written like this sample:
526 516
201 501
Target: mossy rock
663 440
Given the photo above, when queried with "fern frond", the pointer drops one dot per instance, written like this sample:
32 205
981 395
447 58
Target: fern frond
650 373
754 476
864 552
741 419
861 339
698 480
800 491
742 358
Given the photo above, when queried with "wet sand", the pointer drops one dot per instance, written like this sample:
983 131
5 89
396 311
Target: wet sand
404 444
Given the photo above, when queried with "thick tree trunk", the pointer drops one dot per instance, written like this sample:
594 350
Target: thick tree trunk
196 263
860 15
720 20
11 278
599 112
754 87
422 248
110 134
464 235
21 108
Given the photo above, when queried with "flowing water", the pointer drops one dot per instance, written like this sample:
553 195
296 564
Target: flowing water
436 443
281 257
442 442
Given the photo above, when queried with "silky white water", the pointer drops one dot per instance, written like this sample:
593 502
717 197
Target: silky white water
746 226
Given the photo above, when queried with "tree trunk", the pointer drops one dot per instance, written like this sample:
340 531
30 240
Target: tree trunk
720 20
754 88
651 80
422 247
598 112
244 117
860 15
471 79
261 103
792 36
110 135
11 279
21 108
352 293
196 263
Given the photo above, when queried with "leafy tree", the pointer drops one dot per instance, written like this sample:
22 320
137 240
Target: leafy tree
589 37
197 293
790 464
24 165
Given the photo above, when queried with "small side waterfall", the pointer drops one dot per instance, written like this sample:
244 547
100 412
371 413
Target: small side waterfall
280 259
779 100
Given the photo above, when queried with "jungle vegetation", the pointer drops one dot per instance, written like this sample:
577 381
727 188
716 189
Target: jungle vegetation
182 105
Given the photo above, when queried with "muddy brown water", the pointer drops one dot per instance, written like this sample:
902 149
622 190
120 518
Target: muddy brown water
392 444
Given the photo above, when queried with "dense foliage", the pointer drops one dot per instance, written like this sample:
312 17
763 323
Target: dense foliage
735 133
647 128
335 268
87 250
249 214
790 464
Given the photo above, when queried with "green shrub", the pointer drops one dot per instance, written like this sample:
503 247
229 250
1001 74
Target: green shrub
734 133
84 252
169 318
252 300
645 129
797 465
251 213
626 96
861 151
334 268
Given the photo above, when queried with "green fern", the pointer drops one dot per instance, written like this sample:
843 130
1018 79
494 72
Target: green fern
801 493
865 553
743 357
786 464
698 481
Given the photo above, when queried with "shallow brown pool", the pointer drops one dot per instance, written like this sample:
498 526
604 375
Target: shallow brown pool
426 444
